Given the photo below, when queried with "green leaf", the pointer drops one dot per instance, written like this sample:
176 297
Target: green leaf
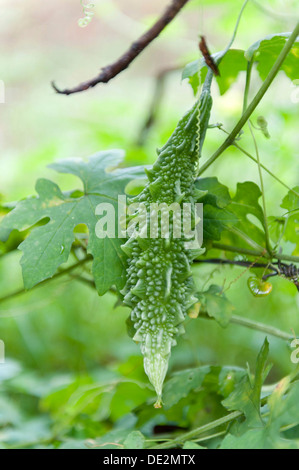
266 50
283 411
49 245
247 395
135 440
286 227
191 70
215 215
231 65
250 217
252 439
291 201
215 221
218 194
216 305
228 378
182 383
276 227
291 232
192 445
283 405
127 396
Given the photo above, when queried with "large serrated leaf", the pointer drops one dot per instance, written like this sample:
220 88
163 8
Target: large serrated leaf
48 246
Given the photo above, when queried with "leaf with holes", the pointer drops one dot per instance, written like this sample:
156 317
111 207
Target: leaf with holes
265 52
49 244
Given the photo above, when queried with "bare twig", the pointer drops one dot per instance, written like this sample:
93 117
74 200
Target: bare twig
246 251
234 262
110 71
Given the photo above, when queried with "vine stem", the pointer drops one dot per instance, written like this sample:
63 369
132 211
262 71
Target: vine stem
57 275
233 262
267 236
257 326
247 84
262 166
245 237
194 433
251 107
198 431
246 93
266 169
245 251
253 325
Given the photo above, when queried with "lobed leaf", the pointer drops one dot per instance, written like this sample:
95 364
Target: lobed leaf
49 245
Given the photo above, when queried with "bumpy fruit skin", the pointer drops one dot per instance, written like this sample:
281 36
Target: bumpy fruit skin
159 286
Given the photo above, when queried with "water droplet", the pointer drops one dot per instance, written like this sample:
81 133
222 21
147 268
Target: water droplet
258 287
62 248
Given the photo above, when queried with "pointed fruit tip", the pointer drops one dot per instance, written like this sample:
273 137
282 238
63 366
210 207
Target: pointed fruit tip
158 403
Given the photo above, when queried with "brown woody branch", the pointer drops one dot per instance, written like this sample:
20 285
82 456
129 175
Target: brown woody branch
110 71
